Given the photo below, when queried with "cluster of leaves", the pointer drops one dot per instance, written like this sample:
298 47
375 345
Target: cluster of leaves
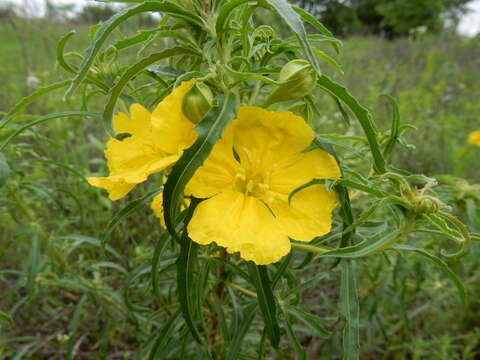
219 296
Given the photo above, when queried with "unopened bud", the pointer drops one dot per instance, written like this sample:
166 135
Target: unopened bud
426 204
197 102
299 79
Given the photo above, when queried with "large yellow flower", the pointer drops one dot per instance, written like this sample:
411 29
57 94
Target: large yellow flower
247 180
157 141
474 138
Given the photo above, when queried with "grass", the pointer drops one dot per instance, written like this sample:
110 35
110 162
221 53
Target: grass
70 297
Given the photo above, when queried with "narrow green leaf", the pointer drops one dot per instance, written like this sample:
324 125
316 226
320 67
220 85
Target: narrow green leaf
44 119
307 284
312 21
266 301
297 346
33 261
159 248
347 216
185 264
61 165
442 265
107 27
373 190
146 34
5 317
163 337
294 21
350 310
81 240
304 186
126 211
395 131
4 170
209 130
281 269
128 75
329 60
370 246
60 51
9 116
241 331
310 320
226 12
362 115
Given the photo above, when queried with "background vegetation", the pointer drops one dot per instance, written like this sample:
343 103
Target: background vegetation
70 298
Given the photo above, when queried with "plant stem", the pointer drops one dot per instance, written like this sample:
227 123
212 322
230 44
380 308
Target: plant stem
241 289
311 248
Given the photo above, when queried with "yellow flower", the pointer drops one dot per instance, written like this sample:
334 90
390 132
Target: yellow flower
474 138
247 180
157 141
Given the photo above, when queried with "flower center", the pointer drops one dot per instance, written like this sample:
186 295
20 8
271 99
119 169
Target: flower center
252 183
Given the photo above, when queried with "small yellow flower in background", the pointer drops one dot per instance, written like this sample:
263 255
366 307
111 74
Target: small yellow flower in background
474 138
247 180
157 141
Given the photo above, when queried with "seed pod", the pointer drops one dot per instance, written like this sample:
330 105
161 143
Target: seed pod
299 79
197 102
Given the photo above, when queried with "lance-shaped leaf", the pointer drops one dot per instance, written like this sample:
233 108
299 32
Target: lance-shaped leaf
186 262
395 132
163 337
310 320
362 115
294 21
4 170
130 208
10 115
266 301
209 130
350 310
107 27
441 264
371 246
225 13
5 317
44 119
241 331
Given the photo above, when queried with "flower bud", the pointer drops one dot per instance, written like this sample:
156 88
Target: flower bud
197 102
299 79
425 204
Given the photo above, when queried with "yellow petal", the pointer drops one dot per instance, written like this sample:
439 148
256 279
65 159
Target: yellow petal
157 207
474 138
116 186
172 128
138 124
309 214
134 159
241 224
218 171
301 168
264 137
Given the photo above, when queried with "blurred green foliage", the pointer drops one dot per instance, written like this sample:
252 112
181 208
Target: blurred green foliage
384 17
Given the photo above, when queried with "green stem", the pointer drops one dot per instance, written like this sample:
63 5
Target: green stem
311 248
256 91
241 289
